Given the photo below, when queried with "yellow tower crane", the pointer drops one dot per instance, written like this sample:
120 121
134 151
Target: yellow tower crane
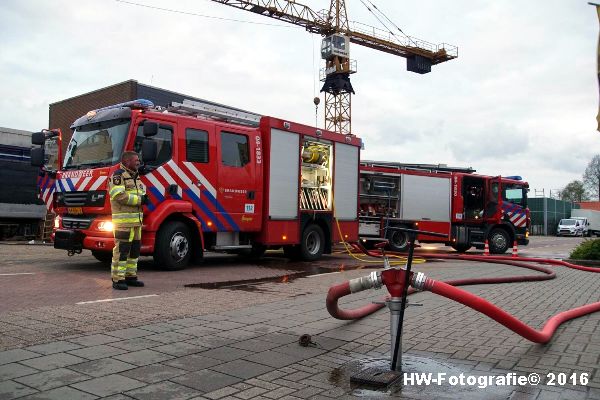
338 33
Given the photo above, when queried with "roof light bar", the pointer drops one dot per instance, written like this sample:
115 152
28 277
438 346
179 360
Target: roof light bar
139 104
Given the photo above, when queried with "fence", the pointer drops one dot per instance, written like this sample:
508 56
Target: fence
546 212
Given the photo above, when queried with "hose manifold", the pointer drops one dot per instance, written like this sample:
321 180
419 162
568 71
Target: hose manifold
418 281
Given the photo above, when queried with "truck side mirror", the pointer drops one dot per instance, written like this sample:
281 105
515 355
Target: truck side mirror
149 150
38 138
38 156
150 129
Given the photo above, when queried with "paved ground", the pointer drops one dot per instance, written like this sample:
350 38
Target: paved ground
241 342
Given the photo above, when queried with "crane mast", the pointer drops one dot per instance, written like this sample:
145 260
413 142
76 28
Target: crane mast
337 32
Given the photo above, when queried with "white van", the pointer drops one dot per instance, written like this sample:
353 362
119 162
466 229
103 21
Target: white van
586 225
569 227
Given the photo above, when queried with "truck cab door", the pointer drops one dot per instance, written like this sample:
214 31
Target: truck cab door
239 193
493 198
199 173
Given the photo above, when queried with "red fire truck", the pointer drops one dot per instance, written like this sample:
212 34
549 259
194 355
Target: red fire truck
467 207
217 179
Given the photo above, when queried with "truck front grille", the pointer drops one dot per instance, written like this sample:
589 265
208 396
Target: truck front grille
76 223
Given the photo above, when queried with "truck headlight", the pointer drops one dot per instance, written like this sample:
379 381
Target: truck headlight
106 226
57 222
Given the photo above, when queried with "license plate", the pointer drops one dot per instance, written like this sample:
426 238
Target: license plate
75 210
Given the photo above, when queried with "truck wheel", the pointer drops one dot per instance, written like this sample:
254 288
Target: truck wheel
172 247
499 241
461 248
397 240
312 244
105 257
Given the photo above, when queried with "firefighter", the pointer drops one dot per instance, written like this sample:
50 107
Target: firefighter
127 194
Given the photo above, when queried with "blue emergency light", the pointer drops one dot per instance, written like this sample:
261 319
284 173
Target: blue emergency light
514 178
139 104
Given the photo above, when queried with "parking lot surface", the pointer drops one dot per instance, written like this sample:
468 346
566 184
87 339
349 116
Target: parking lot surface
64 333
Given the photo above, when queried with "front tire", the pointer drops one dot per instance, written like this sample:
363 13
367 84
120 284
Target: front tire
499 241
312 244
397 240
173 246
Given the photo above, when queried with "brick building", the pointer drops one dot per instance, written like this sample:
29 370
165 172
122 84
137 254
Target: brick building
64 112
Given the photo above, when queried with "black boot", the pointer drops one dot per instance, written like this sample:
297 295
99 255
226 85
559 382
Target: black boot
133 281
120 285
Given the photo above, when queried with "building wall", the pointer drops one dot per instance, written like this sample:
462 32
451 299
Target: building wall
63 113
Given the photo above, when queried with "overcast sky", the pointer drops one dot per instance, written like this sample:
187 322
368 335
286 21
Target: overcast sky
521 98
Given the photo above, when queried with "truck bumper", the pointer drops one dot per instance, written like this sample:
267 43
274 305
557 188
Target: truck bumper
522 240
68 240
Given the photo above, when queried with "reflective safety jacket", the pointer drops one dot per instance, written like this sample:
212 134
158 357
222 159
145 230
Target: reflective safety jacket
126 193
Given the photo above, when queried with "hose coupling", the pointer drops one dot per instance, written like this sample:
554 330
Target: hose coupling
373 280
418 281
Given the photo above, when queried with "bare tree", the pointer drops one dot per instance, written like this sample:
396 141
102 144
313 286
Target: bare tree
591 176
574 192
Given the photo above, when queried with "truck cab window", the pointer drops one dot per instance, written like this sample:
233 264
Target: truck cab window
235 151
513 194
196 145
164 140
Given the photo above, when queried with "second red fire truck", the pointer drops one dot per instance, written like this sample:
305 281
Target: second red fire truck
217 179
468 208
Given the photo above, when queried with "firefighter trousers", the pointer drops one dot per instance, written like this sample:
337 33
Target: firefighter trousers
126 253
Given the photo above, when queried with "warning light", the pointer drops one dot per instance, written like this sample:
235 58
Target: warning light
345 236
284 237
209 223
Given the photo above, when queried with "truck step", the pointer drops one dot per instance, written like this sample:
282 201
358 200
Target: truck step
235 247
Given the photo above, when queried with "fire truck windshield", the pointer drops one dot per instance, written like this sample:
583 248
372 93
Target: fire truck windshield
97 144
514 193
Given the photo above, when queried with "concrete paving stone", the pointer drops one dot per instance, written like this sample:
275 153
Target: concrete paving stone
62 393
328 343
307 392
130 333
12 390
212 317
143 357
163 390
210 341
187 322
52 361
54 347
225 392
94 340
294 349
279 392
97 352
197 331
281 338
108 385
273 359
242 369
262 384
180 349
226 353
160 327
271 376
297 376
193 362
250 393
102 367
153 373
169 337
136 344
206 380
255 344
10 356
224 325
237 334
51 379
15 370
263 328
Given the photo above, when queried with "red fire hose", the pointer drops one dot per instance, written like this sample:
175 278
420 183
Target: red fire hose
448 289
